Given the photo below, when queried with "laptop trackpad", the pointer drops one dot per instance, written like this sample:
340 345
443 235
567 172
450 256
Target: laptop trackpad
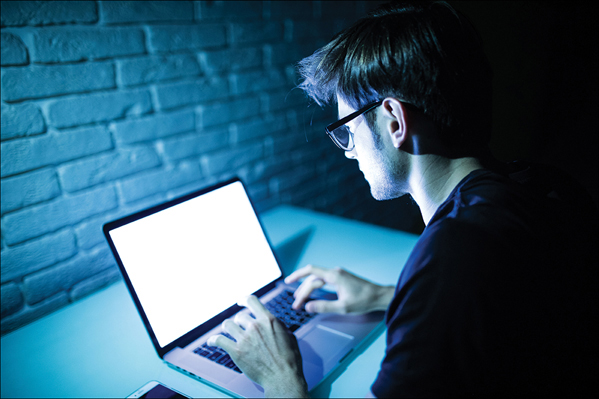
321 348
324 343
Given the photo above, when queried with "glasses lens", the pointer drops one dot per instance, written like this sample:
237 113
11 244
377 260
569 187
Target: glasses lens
343 137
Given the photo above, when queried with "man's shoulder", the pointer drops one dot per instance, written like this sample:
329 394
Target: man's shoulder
453 250
522 196
489 219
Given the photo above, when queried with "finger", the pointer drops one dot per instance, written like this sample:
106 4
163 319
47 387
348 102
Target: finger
296 275
302 294
320 306
243 320
308 285
324 274
221 341
256 307
232 328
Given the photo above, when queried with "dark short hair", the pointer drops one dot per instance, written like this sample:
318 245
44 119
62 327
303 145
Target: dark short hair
424 53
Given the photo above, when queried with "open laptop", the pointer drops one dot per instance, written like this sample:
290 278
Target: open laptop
188 261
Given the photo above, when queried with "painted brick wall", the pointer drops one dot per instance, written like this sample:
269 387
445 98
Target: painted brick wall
111 107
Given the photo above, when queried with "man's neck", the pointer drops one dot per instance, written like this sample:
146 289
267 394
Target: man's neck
433 178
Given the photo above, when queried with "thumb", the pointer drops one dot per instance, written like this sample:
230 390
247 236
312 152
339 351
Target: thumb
320 306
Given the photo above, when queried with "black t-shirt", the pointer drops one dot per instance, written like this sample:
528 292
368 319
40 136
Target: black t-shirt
497 297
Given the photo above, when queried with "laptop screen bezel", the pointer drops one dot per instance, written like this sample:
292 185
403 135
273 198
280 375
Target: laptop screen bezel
216 320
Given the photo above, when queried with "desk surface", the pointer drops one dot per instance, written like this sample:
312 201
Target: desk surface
98 347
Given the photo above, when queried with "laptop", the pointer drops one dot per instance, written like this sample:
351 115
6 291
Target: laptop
188 261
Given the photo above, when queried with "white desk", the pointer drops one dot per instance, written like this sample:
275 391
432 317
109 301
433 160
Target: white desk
98 347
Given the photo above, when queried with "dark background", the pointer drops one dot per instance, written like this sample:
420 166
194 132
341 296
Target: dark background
544 57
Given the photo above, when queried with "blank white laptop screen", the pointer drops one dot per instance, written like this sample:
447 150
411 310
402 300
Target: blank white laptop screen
190 262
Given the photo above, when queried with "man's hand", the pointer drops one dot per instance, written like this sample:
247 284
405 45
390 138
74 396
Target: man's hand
265 351
355 295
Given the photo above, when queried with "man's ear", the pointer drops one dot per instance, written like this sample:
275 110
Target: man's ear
395 120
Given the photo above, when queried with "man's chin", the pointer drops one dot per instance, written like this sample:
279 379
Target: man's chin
385 194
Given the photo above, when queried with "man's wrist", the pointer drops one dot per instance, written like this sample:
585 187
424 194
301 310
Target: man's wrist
384 296
291 388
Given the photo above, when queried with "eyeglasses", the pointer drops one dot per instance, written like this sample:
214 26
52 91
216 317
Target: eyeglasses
339 131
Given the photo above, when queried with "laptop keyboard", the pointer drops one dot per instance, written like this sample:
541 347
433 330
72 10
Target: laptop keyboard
280 307
217 354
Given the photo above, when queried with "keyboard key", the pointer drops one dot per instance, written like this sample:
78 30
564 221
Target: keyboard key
202 352
224 359
209 348
231 364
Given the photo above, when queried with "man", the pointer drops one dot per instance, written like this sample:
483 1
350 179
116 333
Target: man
499 294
